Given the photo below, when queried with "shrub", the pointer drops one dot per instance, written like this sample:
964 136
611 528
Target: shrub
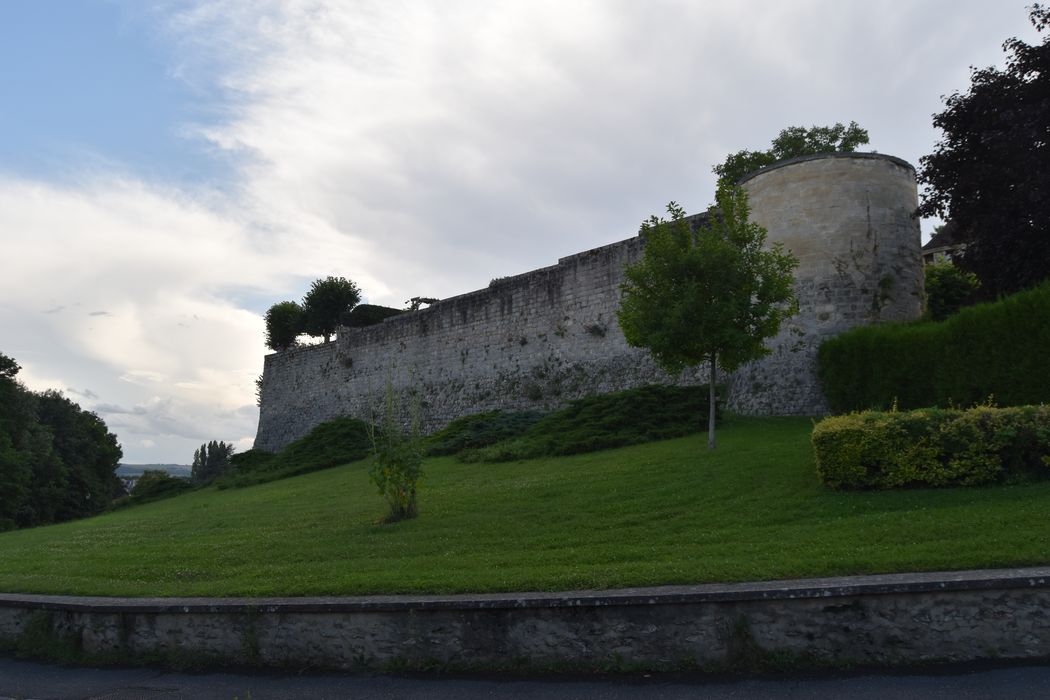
603 422
368 315
933 447
328 445
479 430
155 484
948 289
993 349
397 458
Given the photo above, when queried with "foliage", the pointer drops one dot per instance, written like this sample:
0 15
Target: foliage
989 174
8 367
479 430
330 444
397 457
284 323
948 289
368 315
933 447
793 142
155 484
662 513
415 303
994 349
603 422
211 460
57 461
326 302
708 295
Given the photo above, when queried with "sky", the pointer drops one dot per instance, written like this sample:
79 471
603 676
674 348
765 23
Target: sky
170 169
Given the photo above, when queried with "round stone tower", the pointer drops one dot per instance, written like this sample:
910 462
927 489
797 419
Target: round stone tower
850 220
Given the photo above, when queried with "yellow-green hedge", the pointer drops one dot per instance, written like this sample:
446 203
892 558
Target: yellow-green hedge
933 447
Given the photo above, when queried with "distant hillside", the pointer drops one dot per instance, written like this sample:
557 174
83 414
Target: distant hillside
137 469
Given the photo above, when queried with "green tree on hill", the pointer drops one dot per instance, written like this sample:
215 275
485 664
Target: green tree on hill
210 460
712 295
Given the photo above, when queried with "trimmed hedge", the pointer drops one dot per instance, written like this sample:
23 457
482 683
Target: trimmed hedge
933 447
993 350
479 430
368 315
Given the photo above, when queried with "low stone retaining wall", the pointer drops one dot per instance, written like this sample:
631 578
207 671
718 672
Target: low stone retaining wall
871 620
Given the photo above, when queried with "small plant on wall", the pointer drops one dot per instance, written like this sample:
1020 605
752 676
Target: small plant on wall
397 456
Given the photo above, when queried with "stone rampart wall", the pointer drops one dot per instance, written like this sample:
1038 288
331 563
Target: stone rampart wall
537 340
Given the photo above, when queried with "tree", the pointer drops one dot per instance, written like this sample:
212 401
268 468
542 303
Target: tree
948 289
326 302
284 323
210 460
712 294
793 142
990 172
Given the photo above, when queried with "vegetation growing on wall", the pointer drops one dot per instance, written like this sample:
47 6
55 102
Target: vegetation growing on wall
997 349
793 142
933 447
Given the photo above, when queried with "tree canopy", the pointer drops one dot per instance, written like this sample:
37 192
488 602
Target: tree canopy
990 172
284 323
793 142
710 294
326 302
57 461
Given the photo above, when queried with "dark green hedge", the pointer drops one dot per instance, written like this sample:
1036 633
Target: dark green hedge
368 315
996 350
933 447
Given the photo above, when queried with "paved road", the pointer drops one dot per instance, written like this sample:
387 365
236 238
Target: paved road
24 680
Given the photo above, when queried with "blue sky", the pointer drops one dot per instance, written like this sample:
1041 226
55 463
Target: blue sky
169 169
88 85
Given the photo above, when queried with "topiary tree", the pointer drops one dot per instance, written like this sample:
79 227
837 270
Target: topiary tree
284 323
948 289
793 142
712 295
326 302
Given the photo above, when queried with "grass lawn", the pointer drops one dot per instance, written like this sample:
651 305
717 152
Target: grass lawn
666 512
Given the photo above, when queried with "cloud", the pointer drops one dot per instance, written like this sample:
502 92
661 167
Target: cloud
423 149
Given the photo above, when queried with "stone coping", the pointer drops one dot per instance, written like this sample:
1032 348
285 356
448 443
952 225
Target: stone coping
881 584
821 156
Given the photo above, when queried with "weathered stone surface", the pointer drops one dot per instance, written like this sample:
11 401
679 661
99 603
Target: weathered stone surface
539 339
881 620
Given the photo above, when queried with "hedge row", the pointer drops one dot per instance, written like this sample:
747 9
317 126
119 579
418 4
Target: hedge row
994 350
933 447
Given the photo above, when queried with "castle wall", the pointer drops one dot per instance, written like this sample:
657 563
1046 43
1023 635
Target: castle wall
537 340
849 219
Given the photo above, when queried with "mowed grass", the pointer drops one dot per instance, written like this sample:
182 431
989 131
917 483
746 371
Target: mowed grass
661 513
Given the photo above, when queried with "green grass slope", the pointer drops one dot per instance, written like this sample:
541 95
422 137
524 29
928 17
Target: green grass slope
666 512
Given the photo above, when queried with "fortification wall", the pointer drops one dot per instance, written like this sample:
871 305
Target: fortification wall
539 339
849 219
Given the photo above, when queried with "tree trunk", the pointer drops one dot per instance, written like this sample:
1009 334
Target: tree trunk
711 404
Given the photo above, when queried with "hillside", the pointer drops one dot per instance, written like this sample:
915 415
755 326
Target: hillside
665 512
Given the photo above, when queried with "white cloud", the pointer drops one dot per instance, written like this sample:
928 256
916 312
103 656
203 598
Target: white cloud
423 149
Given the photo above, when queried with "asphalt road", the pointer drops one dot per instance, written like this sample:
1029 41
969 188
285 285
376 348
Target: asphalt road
25 680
